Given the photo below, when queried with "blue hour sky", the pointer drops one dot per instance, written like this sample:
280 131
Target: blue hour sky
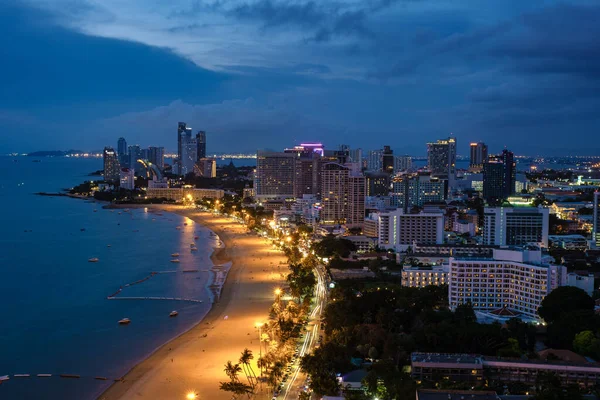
272 73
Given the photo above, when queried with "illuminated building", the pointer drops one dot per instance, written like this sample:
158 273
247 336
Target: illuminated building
417 189
206 167
399 230
135 153
441 157
111 165
186 155
499 177
479 154
179 194
402 163
420 277
387 160
274 175
200 145
515 226
596 225
122 152
156 155
513 279
342 194
127 179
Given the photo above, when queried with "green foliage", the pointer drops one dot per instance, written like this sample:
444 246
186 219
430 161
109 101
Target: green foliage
548 387
331 246
586 343
323 365
386 382
302 281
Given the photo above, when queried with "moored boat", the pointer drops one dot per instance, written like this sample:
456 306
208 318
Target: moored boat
124 321
175 260
175 255
173 314
93 259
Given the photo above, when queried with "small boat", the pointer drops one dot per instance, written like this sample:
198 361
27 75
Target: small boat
192 244
195 237
94 259
175 260
178 228
124 321
108 245
194 249
175 255
173 314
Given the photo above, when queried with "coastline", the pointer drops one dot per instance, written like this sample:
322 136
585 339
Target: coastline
194 360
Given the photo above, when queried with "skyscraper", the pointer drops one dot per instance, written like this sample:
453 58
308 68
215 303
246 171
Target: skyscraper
135 153
417 189
387 160
342 194
122 151
200 145
499 177
184 134
402 163
374 161
274 175
596 231
156 155
188 154
307 173
479 155
112 167
441 157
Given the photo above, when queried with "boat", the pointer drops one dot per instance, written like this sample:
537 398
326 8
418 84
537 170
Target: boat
108 245
124 321
173 314
178 228
194 249
175 260
192 244
94 259
175 255
195 237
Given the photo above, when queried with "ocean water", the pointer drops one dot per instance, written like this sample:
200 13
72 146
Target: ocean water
56 317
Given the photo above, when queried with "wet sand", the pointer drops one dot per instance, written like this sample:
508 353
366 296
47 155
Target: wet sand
194 361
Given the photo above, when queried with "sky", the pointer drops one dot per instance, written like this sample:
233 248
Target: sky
269 74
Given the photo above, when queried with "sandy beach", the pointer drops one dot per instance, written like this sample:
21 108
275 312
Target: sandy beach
194 361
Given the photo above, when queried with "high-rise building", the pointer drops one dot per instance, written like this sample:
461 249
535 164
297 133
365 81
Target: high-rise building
274 175
156 155
596 229
479 155
374 160
201 145
134 154
342 194
399 230
122 152
517 280
417 189
188 154
184 138
307 173
515 226
111 165
402 163
127 179
206 167
499 177
378 183
441 157
387 160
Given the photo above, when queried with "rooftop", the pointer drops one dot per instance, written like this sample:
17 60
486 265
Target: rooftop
429 394
446 358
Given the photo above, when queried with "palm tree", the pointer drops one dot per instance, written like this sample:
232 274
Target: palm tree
232 370
245 359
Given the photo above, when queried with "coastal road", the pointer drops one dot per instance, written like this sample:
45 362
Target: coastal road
296 382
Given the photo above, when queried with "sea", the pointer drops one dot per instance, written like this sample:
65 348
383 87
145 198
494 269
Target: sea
56 318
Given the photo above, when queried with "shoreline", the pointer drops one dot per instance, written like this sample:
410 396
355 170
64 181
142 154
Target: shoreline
215 338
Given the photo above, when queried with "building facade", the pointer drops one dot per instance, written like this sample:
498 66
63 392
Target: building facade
156 155
424 276
111 165
343 191
399 230
127 179
596 224
499 177
479 154
200 145
515 226
275 173
402 164
189 193
441 157
206 167
122 152
512 279
417 189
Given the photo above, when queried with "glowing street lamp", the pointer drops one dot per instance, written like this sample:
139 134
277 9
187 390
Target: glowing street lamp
190 396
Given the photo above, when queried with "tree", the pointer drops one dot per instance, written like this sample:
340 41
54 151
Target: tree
586 343
564 300
232 370
245 359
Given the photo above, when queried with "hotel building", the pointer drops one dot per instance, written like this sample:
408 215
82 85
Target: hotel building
424 276
513 279
398 230
515 226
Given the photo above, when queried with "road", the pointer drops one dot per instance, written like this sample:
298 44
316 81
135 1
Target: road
296 382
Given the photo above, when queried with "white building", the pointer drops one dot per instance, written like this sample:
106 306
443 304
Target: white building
179 194
127 178
583 282
425 276
516 280
398 230
515 226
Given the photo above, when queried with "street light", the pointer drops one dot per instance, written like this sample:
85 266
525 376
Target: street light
190 396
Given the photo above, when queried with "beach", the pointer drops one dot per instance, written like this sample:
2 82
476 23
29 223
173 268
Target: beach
194 361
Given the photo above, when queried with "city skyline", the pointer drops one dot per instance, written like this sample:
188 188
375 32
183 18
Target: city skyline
404 72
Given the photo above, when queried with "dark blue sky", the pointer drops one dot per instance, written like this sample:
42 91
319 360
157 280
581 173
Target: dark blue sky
272 73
